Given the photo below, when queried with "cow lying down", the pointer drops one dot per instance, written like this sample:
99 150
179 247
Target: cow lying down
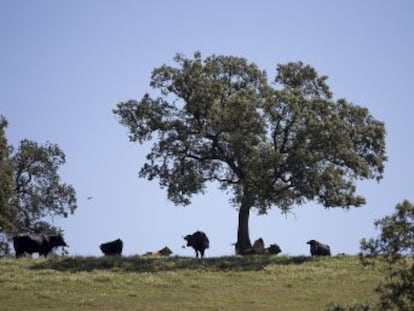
259 248
37 243
163 252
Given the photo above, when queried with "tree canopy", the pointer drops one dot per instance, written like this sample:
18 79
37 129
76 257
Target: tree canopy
31 190
270 144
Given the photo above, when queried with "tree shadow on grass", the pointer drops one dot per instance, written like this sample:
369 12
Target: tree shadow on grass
141 264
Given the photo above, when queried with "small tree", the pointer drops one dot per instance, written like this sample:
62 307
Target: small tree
394 247
39 192
394 250
31 190
220 120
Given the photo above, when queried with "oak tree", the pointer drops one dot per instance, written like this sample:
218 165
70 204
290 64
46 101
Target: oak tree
270 144
31 188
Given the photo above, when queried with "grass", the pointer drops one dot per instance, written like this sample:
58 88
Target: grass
179 283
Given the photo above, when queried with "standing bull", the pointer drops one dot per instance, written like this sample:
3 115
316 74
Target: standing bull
112 248
319 249
199 241
37 243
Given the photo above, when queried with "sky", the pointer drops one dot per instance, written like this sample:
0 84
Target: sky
64 65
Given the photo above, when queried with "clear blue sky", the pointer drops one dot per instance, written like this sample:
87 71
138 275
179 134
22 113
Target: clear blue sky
64 65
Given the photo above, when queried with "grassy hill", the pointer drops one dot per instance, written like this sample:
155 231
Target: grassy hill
177 283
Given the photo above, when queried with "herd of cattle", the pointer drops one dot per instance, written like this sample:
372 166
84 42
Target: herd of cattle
44 243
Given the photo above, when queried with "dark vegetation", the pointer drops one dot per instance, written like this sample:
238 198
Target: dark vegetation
142 264
393 252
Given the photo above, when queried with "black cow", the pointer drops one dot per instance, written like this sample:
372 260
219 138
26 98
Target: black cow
112 248
259 248
37 243
199 241
319 249
274 249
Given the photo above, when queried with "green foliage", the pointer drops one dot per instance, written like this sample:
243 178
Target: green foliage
31 189
397 235
38 190
7 211
393 252
219 120
395 248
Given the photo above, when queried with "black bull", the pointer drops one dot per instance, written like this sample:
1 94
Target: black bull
39 243
112 248
199 241
319 249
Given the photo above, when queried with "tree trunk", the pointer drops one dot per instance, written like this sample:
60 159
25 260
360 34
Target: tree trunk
243 239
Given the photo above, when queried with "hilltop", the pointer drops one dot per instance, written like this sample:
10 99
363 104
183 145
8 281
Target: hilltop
181 283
